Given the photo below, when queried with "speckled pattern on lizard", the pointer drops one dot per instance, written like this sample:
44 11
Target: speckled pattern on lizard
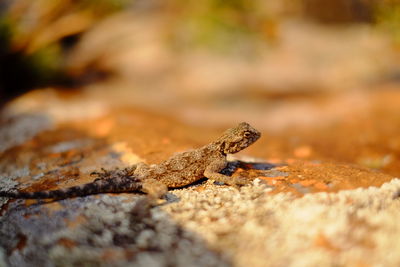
180 170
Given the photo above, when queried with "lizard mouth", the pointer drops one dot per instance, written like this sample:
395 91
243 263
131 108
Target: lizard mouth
244 143
249 141
238 138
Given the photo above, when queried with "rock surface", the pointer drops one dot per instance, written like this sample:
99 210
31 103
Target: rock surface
295 212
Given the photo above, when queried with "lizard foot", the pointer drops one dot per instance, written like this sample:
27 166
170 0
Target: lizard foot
239 181
228 180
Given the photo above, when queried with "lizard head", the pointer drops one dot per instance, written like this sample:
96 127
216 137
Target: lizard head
238 138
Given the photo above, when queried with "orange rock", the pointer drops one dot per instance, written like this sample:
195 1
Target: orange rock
272 178
312 163
307 182
274 160
239 170
66 243
321 186
291 161
104 127
322 241
281 168
76 221
109 255
200 188
303 151
276 182
166 141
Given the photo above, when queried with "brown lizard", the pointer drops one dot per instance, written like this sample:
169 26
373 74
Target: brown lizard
182 169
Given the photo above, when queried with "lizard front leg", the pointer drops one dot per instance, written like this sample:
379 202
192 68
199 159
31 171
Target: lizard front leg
213 169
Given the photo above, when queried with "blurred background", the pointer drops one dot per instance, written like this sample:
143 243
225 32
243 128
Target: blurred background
321 77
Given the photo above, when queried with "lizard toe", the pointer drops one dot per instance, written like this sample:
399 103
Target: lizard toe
240 181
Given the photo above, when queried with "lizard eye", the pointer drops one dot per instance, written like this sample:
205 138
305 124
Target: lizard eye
247 134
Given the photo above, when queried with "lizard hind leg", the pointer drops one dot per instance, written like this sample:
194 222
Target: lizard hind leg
155 189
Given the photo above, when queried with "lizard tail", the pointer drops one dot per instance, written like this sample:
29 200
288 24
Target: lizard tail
115 185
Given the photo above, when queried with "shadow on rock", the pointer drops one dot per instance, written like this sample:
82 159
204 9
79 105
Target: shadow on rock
100 231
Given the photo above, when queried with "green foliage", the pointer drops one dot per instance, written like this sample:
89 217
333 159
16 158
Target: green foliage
5 35
103 7
47 62
21 70
228 26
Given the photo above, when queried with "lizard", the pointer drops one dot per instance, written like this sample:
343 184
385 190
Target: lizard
180 170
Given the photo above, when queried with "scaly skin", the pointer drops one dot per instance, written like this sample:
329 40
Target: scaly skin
182 169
